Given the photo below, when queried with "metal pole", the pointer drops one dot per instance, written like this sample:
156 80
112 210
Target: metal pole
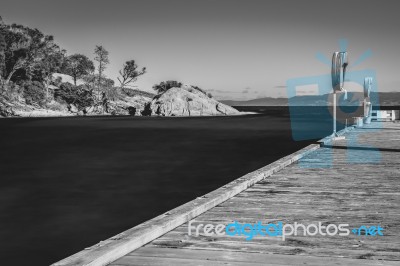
334 113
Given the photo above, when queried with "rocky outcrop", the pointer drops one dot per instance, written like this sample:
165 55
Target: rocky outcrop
183 101
188 101
125 106
67 78
128 105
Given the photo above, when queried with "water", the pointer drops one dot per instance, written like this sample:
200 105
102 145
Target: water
68 183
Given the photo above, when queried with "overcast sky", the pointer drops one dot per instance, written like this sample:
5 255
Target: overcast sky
235 49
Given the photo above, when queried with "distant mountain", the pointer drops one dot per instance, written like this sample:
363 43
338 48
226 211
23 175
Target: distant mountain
389 98
385 99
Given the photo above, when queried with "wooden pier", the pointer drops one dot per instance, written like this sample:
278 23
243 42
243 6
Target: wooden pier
355 181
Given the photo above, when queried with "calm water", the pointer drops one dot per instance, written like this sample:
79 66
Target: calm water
68 183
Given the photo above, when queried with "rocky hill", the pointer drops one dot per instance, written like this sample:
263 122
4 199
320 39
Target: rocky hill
188 101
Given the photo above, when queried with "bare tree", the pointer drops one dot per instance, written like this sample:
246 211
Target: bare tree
102 59
129 73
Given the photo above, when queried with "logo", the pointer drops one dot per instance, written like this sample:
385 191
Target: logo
311 102
249 231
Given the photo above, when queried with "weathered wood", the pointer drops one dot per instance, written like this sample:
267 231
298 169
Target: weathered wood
121 244
354 192
213 257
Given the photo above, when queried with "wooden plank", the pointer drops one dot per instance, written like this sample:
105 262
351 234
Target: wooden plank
163 256
156 261
359 194
121 244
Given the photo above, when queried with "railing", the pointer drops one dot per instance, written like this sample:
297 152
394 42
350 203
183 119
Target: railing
384 115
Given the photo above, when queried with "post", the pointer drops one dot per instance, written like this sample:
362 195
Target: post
334 113
338 71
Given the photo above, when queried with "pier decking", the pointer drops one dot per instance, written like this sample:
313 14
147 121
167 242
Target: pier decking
354 181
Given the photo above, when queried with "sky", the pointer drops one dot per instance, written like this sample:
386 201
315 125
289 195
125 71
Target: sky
236 50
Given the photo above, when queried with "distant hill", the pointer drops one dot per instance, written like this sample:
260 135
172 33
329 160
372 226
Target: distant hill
385 99
389 98
267 101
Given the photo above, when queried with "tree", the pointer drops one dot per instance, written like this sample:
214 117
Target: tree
2 51
102 59
27 51
52 60
16 52
129 73
106 82
80 96
2 55
34 93
164 86
77 66
91 79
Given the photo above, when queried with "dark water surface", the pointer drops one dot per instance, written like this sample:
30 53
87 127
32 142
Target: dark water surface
68 183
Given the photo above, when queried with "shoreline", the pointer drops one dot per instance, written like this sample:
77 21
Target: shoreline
110 115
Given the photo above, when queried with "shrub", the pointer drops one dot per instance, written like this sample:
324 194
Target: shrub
56 106
11 91
132 110
164 86
113 93
56 82
134 92
80 96
147 109
209 95
199 89
34 93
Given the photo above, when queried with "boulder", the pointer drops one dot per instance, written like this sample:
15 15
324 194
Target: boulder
129 105
73 109
188 101
67 78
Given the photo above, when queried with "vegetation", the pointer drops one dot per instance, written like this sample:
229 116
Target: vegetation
29 58
199 89
129 73
164 86
102 59
134 92
34 93
80 96
78 66
28 54
2 51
